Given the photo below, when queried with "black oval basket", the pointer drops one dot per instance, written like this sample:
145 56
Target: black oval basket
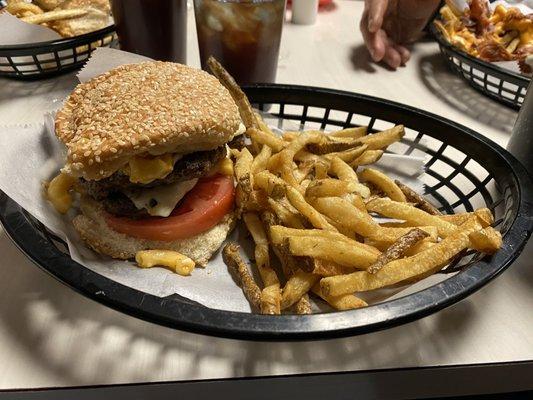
46 59
464 171
498 83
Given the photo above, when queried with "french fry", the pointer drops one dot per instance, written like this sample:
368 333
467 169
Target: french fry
488 240
244 179
384 183
329 187
326 268
55 15
343 302
327 146
260 161
298 285
382 139
350 217
287 262
266 138
511 47
413 197
272 185
287 217
484 214
368 157
245 108
261 124
270 300
20 8
402 269
398 249
352 133
303 171
355 200
278 235
312 215
348 155
424 244
342 170
305 156
342 253
321 170
404 211
262 259
232 258
289 136
346 173
257 201
303 306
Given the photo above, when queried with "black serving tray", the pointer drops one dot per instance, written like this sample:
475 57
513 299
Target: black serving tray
464 171
46 59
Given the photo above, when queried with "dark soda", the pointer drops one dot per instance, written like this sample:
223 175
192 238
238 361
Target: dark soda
152 28
244 35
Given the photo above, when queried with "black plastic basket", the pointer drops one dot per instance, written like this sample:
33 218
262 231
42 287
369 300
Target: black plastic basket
464 171
46 59
493 81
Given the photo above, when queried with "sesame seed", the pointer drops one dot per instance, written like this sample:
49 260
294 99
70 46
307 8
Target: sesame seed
134 107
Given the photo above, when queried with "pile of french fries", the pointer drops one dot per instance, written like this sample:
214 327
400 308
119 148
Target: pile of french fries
308 199
49 12
504 34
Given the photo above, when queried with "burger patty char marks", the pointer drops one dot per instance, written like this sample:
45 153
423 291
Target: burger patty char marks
190 166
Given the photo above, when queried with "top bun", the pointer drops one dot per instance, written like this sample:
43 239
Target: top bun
152 107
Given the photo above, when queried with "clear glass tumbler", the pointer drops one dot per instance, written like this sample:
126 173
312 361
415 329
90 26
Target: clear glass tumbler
244 35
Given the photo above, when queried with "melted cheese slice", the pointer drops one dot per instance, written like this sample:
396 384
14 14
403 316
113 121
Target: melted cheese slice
145 170
161 201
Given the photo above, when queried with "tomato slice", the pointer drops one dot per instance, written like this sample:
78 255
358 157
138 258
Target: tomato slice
200 210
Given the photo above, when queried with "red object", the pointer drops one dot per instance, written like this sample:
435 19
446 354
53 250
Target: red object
201 209
321 3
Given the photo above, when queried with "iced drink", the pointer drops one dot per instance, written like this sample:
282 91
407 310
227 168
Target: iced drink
244 35
152 28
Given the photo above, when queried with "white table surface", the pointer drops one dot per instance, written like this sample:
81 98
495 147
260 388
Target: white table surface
51 336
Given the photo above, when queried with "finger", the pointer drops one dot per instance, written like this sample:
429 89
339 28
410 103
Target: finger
376 12
405 54
392 57
375 43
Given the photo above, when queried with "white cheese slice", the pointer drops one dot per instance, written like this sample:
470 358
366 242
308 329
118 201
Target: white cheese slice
161 201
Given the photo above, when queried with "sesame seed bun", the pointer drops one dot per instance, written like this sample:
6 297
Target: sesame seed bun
100 237
152 107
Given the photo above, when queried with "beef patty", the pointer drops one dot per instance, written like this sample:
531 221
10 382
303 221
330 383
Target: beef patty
110 191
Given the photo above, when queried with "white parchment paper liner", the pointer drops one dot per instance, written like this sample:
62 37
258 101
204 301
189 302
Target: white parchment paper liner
32 154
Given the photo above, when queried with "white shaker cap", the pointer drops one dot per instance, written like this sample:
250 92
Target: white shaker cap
304 12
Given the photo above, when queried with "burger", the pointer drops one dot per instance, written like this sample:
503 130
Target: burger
147 146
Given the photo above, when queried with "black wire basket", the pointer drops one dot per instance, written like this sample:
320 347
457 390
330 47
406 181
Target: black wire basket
46 59
493 81
464 171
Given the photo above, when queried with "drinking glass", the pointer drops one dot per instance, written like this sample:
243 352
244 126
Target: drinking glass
243 35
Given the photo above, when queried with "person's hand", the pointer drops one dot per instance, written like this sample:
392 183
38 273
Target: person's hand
387 25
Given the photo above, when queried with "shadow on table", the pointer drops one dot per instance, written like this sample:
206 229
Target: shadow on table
84 343
361 60
456 92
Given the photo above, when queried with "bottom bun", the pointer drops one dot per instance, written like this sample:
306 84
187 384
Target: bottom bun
100 237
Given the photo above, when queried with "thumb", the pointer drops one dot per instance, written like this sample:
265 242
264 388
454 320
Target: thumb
376 13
